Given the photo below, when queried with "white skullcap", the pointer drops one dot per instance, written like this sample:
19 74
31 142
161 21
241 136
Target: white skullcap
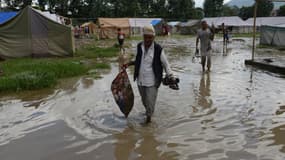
148 30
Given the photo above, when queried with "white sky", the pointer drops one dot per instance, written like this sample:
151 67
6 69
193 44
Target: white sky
199 3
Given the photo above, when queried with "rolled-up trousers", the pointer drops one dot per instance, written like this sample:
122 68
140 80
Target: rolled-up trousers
148 96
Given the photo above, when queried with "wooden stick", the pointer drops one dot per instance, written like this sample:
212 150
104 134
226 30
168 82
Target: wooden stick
254 29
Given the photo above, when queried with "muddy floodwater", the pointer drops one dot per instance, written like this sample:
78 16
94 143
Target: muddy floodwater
234 112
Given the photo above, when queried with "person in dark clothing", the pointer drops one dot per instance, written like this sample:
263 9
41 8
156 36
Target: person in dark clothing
121 39
149 65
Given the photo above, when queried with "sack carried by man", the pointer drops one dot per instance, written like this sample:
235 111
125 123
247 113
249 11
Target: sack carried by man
123 92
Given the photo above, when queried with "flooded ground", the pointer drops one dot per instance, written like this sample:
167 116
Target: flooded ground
233 112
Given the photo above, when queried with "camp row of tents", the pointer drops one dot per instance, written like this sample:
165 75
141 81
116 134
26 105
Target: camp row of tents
31 32
106 27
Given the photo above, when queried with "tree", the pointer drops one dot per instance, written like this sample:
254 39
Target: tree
181 9
281 11
213 8
230 11
264 9
246 12
17 4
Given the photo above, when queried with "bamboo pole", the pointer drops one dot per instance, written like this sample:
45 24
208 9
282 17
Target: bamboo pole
254 29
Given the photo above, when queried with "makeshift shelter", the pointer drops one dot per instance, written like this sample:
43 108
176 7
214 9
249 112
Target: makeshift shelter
108 27
30 33
273 35
235 24
174 27
5 16
137 24
92 27
189 27
158 26
266 21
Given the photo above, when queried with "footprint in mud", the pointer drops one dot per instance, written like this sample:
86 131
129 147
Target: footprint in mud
281 110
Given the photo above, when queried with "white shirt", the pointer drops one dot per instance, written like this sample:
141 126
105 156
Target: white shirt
205 41
146 74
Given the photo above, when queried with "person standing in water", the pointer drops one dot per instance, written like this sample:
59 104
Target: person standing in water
121 39
225 38
205 36
149 65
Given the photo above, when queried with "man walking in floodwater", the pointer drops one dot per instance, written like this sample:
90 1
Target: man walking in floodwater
205 36
149 65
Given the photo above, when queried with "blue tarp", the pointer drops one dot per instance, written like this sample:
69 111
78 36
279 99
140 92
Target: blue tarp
155 22
5 16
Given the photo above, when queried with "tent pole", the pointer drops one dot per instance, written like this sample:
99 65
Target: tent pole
254 29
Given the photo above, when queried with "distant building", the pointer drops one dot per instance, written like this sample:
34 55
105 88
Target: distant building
235 24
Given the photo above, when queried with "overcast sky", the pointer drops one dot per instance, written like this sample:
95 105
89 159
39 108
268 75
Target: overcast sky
199 3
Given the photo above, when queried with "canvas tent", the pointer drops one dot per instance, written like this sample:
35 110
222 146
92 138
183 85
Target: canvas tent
137 24
109 26
189 27
234 23
174 26
5 16
266 21
32 34
273 35
91 26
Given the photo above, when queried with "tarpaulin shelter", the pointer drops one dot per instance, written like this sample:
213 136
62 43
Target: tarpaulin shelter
273 35
137 24
109 26
235 23
158 25
266 21
174 26
189 27
5 16
30 33
91 26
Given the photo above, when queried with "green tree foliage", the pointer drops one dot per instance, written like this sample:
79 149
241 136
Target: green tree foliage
17 4
171 9
230 11
181 9
213 8
264 9
281 11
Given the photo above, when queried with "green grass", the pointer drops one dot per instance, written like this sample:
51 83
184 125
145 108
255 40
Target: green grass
92 51
31 74
28 73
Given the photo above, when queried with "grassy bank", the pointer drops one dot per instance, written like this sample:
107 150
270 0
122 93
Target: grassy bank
30 74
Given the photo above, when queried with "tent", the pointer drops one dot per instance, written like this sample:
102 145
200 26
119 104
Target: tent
273 35
158 26
189 27
5 16
32 34
266 21
137 24
91 26
174 26
234 23
109 26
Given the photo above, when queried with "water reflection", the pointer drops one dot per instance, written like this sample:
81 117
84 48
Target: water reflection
205 91
140 144
278 136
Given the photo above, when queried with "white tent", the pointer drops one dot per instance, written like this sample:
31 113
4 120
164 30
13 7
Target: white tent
266 21
138 23
236 23
273 35
174 26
